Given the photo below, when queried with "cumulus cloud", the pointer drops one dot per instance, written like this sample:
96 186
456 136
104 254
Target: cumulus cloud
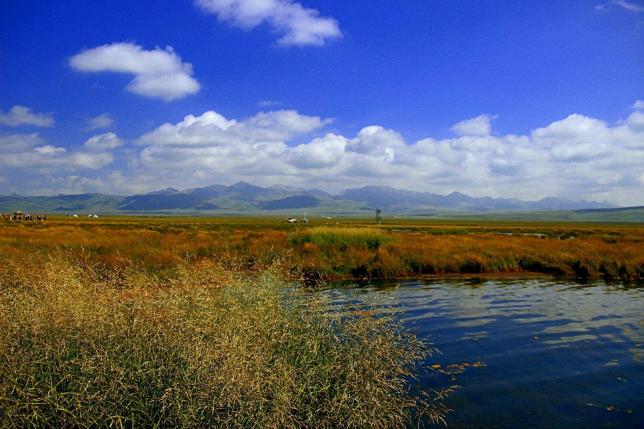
49 149
29 152
210 143
297 25
636 120
21 115
213 129
157 73
479 126
638 105
104 120
103 142
575 157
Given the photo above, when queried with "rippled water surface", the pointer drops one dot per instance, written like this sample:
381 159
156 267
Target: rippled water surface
529 353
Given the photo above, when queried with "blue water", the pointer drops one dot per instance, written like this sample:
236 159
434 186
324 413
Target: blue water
540 354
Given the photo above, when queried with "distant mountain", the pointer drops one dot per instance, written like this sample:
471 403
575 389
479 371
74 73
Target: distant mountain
385 197
60 203
165 191
294 202
244 197
152 202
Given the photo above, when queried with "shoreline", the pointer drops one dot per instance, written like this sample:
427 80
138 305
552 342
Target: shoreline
510 275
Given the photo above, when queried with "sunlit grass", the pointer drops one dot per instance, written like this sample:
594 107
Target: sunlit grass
348 248
366 237
83 344
188 322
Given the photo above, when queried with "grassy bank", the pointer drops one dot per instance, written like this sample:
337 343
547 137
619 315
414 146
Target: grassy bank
84 345
350 248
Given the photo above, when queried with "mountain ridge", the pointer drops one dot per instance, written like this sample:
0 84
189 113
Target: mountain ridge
244 197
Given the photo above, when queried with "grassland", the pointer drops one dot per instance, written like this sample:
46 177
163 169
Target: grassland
340 249
195 322
83 345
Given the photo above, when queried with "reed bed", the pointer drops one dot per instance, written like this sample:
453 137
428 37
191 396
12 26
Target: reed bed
355 250
86 344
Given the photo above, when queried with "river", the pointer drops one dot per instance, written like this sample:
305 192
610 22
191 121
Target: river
526 353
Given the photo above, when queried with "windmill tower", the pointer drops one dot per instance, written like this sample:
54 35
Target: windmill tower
305 220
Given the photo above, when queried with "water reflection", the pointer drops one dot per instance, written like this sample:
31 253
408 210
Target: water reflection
552 353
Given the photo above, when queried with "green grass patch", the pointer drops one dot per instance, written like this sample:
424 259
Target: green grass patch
340 238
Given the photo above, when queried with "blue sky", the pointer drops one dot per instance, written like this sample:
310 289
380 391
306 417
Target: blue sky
353 93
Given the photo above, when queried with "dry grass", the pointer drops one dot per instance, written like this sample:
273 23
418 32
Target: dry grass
354 249
170 322
85 344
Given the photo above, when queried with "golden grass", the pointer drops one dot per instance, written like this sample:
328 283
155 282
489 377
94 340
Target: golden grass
191 322
83 344
353 249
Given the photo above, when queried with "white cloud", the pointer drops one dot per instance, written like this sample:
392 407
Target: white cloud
479 126
210 143
49 149
638 105
103 142
21 115
636 120
277 125
157 73
104 120
13 143
213 129
92 161
29 152
577 157
322 152
624 4
296 24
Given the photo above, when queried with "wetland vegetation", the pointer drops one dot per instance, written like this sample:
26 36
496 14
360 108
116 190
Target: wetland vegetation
342 249
196 322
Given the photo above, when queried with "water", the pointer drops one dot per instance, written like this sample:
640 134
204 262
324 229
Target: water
541 354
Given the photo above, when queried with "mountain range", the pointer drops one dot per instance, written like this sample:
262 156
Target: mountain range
244 197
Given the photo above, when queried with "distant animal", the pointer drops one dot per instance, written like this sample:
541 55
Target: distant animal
290 220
